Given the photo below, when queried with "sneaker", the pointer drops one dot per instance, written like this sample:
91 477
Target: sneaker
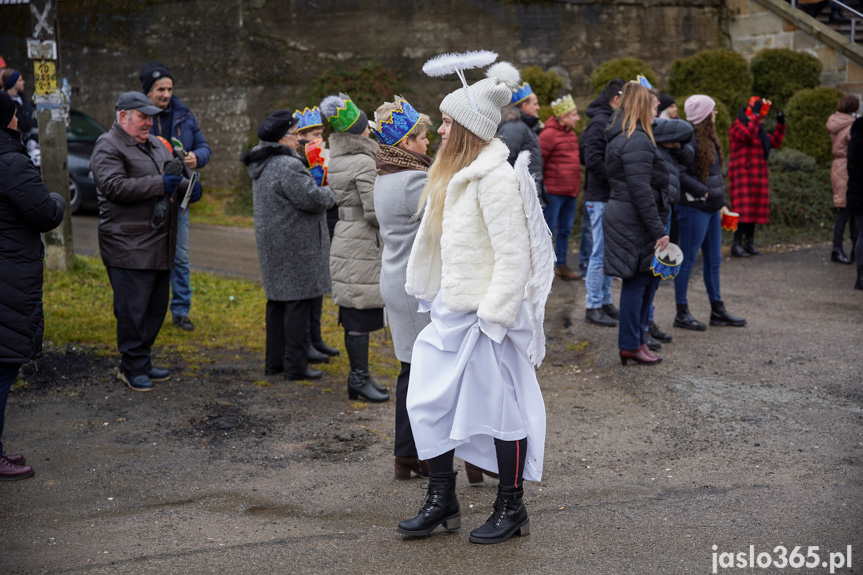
136 382
11 472
183 322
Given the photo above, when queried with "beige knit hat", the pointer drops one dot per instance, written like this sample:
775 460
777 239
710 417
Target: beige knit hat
476 107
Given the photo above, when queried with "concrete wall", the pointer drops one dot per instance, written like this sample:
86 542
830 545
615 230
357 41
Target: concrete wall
753 26
235 61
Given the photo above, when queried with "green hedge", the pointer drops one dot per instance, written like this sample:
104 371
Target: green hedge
807 112
801 199
369 86
546 85
723 74
624 68
780 72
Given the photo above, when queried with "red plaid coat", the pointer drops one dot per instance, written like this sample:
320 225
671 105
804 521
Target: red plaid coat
747 170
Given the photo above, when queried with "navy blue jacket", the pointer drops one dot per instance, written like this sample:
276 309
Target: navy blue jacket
592 144
677 132
184 127
27 209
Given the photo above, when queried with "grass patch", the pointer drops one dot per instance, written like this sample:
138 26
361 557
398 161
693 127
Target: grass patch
213 208
228 315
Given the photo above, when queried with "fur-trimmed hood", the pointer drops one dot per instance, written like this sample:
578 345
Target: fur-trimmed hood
345 144
256 159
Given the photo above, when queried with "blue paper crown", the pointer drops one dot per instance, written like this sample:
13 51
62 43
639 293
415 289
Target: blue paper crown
521 94
644 82
399 124
309 118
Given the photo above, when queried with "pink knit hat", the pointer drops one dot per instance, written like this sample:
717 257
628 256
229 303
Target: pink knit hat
698 108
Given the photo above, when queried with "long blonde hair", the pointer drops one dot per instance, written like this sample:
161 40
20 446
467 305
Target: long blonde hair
636 105
458 152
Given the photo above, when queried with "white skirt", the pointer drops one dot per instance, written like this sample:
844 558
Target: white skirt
466 390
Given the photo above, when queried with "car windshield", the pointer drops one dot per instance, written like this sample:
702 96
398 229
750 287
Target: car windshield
83 128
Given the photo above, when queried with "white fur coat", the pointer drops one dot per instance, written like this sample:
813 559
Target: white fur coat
483 260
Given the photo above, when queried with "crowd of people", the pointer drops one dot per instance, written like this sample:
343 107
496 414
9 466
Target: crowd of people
456 254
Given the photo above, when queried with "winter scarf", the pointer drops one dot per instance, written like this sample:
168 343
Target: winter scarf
392 159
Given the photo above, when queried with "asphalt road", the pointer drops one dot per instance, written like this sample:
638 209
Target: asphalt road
219 249
741 437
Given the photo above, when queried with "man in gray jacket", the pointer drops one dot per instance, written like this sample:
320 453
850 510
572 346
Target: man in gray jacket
137 231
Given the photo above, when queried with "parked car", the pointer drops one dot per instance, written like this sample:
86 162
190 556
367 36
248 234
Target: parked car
81 136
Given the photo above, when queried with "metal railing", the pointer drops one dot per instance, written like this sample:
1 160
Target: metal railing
848 9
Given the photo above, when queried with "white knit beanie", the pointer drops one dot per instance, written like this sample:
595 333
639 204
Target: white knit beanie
489 95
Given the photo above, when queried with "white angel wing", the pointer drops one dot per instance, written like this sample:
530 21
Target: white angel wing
541 257
453 62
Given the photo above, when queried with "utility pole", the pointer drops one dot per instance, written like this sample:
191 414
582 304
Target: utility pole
52 115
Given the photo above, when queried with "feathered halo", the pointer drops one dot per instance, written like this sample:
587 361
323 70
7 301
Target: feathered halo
457 63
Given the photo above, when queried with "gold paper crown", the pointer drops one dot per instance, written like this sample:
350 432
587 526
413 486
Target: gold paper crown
562 105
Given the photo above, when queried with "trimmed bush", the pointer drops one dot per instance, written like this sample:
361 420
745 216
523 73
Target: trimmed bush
723 122
624 68
791 160
723 74
546 85
367 86
780 72
807 112
801 199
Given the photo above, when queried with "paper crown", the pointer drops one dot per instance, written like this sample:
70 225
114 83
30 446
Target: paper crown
666 263
317 161
563 105
308 118
400 122
642 81
521 94
341 112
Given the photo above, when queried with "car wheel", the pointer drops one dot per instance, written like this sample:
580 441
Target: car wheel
74 197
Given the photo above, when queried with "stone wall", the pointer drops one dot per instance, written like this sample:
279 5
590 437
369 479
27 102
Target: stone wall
235 61
757 24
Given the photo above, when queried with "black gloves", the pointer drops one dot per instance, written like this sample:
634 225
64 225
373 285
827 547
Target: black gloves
756 107
197 190
780 118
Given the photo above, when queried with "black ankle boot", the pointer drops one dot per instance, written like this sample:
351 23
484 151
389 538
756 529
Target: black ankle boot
749 246
357 346
684 319
440 508
737 250
838 256
720 316
508 518
859 284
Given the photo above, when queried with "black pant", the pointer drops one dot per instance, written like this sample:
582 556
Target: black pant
858 245
140 303
841 217
287 322
404 443
313 332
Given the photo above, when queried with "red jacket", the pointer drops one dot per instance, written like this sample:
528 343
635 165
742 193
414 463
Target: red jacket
561 164
747 168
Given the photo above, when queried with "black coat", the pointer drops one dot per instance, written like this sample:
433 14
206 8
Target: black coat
520 132
638 203
678 133
27 209
855 168
693 189
592 150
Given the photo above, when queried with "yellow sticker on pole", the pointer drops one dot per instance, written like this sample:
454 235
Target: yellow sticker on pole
46 76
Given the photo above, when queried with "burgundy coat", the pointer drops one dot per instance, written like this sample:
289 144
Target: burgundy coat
561 163
747 168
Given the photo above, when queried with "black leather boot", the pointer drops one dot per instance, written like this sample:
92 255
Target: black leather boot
357 346
737 250
720 316
440 508
749 246
658 334
684 319
838 256
859 284
508 518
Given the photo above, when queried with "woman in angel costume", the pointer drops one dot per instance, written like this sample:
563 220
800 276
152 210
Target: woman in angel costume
483 264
